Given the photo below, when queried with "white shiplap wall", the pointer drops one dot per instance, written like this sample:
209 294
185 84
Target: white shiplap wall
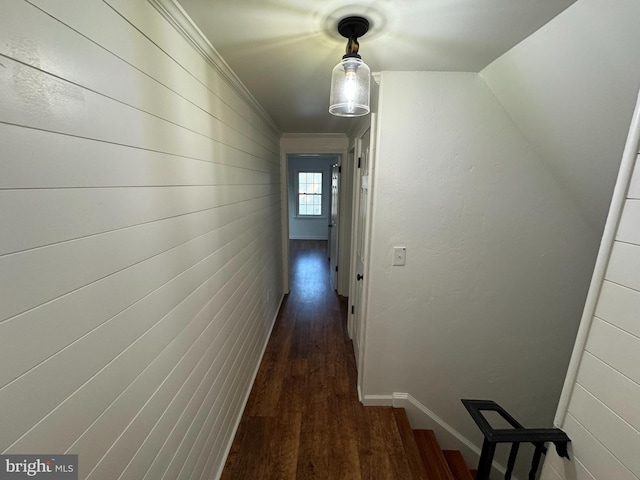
140 234
602 416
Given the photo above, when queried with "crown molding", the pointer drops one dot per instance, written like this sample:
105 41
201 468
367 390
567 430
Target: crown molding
180 20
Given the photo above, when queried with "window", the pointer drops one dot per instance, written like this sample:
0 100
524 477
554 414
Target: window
309 193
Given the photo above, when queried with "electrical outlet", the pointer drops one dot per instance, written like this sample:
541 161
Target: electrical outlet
268 296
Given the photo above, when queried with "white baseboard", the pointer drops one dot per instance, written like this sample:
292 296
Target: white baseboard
420 417
360 395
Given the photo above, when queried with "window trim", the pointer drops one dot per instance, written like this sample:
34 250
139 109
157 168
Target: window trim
321 195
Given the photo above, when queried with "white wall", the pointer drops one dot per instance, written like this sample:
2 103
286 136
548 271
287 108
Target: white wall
599 406
309 228
570 87
140 213
489 301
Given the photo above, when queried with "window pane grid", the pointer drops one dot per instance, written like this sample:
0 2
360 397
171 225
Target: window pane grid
309 193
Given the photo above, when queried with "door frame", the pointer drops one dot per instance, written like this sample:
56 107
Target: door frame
301 145
360 342
334 229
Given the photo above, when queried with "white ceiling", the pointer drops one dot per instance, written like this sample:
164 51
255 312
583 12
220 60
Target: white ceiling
284 50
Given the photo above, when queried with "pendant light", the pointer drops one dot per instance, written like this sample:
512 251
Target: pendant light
350 79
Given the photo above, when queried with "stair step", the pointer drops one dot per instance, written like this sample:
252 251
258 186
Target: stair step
457 465
410 446
432 457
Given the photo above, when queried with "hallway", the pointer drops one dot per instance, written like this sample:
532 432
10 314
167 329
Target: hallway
303 419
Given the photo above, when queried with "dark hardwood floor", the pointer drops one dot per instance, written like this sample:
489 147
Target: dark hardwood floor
303 419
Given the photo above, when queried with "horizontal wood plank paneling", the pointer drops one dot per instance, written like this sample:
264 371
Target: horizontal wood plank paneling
114 40
98 440
602 417
216 81
572 469
148 446
617 392
217 288
39 100
549 473
59 161
164 56
615 347
55 321
67 214
629 227
140 195
597 460
624 265
619 306
116 85
611 431
153 320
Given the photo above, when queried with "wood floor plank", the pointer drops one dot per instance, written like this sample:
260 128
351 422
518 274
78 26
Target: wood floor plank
268 383
343 461
432 456
284 444
409 444
303 419
232 458
457 465
374 462
390 438
314 448
252 460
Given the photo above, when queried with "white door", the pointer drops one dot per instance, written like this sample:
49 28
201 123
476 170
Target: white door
360 238
333 225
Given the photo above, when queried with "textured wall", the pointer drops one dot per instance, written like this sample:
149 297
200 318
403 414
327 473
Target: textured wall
489 301
140 213
570 87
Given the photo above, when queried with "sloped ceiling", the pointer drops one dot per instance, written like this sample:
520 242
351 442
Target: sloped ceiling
284 50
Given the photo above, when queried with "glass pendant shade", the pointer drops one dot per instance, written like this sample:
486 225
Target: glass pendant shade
350 84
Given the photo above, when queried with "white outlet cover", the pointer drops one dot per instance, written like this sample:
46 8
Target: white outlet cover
399 256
